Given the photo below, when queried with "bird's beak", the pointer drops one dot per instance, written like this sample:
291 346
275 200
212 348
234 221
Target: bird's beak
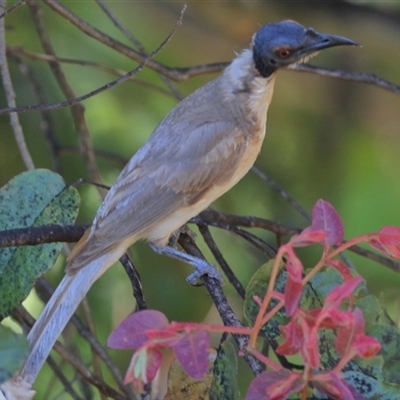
316 41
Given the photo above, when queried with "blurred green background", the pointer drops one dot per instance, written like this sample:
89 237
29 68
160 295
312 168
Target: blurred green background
326 138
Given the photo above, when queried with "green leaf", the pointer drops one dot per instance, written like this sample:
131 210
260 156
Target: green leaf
224 385
33 198
13 350
389 337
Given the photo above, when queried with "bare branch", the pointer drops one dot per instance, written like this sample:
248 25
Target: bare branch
121 27
205 232
115 71
274 185
41 234
177 74
12 8
109 85
225 311
47 124
350 76
45 291
136 283
10 97
77 112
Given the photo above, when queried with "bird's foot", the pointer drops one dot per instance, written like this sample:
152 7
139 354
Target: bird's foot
201 266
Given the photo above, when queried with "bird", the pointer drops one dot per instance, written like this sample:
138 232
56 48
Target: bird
202 148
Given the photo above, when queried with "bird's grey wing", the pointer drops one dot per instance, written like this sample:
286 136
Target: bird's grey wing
153 186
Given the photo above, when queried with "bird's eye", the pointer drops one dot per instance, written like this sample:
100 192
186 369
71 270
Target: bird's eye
283 53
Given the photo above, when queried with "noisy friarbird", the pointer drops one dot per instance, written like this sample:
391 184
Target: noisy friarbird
203 147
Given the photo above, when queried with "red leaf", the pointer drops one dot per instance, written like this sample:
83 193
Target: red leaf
366 346
389 250
293 286
310 351
330 384
143 367
294 338
192 352
308 236
333 318
325 218
274 385
341 292
387 241
293 291
130 333
347 332
341 267
390 235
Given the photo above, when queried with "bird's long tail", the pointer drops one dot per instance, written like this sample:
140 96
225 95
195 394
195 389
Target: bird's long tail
58 311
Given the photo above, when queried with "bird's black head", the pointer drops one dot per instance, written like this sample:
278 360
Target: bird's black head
283 43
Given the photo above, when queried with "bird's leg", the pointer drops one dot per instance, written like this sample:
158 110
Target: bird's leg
173 239
202 267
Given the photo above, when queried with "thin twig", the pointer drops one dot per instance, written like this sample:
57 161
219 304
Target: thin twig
177 74
86 63
21 315
136 283
350 76
12 8
45 291
47 124
274 185
77 112
107 86
85 307
254 240
225 311
10 97
211 215
120 26
114 157
205 232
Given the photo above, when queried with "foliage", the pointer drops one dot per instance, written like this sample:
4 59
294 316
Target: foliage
13 350
304 334
32 198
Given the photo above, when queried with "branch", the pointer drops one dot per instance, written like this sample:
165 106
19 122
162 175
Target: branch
25 318
107 86
78 111
225 311
350 76
10 97
12 8
47 123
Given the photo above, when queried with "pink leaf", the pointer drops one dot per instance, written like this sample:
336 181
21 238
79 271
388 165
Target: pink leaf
308 236
387 241
293 286
389 250
366 346
130 333
341 267
390 235
332 318
347 332
341 292
310 351
293 291
330 384
192 352
143 367
294 338
274 385
325 218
